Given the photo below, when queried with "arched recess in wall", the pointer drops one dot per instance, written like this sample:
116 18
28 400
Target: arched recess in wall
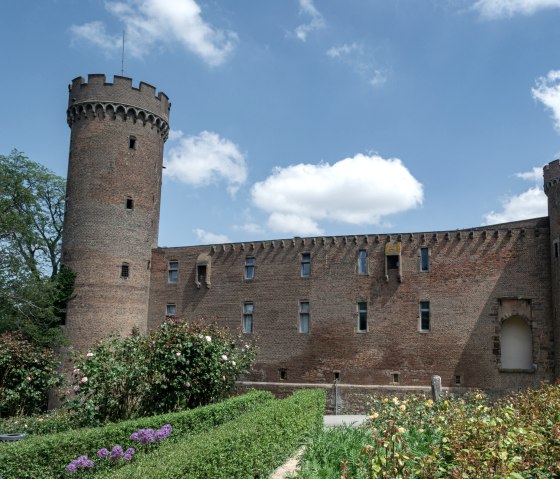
516 344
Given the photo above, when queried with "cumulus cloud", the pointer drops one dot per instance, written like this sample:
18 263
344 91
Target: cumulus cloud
316 20
205 159
359 61
151 23
529 204
493 9
358 190
547 91
206 237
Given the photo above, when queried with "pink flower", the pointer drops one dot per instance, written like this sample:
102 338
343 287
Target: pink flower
89 355
208 339
178 353
76 370
224 357
247 346
76 388
223 378
84 379
233 363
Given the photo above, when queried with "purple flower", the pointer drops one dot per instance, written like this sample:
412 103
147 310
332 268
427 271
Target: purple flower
163 433
116 452
81 462
143 436
71 467
103 453
127 457
130 451
134 436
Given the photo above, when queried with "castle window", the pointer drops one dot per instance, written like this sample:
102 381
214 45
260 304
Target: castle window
248 318
424 316
249 267
132 142
124 270
201 273
458 380
303 317
362 317
172 271
516 344
396 378
203 269
305 265
424 259
129 204
283 374
362 262
556 248
171 310
393 261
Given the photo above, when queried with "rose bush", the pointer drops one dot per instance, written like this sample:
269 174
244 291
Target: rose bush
179 365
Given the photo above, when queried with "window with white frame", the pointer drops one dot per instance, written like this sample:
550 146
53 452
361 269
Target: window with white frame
362 316
305 265
172 271
304 317
362 262
425 316
248 318
249 267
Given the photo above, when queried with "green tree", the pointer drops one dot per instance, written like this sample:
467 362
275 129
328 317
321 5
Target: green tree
33 286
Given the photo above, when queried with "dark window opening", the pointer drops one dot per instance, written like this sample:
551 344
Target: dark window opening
283 373
171 310
305 265
129 204
124 270
132 142
396 378
362 316
424 315
424 259
458 380
201 273
249 267
393 261
556 249
336 375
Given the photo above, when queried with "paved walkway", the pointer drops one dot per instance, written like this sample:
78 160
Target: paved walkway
292 465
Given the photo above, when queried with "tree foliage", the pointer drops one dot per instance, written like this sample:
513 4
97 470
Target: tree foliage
34 287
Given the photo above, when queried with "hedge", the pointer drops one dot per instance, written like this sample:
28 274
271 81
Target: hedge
45 457
251 446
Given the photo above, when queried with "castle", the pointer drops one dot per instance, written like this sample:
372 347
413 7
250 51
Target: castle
480 307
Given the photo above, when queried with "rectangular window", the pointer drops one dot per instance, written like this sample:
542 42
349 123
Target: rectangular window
362 261
172 271
556 249
458 380
424 315
424 260
393 261
124 270
305 265
129 204
249 267
201 273
248 318
396 378
171 310
132 142
362 316
304 317
283 373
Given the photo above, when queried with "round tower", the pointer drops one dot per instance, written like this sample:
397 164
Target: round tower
552 190
112 203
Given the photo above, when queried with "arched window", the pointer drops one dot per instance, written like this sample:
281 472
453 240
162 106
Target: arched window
516 344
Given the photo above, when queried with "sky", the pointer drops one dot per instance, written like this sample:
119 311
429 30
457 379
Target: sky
308 117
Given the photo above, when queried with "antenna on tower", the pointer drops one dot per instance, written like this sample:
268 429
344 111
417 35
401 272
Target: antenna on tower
122 56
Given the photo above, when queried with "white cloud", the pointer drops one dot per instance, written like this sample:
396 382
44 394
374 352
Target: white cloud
205 159
492 9
529 204
252 228
547 91
536 174
358 190
359 61
316 21
206 237
151 23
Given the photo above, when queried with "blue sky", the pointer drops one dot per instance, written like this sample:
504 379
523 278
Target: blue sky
308 117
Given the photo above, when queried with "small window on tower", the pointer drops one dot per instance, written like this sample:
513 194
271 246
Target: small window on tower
124 270
171 310
132 142
392 261
129 204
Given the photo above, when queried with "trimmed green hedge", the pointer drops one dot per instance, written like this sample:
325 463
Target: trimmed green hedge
45 457
55 421
251 446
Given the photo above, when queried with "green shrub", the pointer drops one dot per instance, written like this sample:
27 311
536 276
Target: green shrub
54 421
179 365
45 457
251 446
27 373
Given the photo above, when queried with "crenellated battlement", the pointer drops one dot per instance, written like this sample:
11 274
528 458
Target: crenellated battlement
551 175
119 93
